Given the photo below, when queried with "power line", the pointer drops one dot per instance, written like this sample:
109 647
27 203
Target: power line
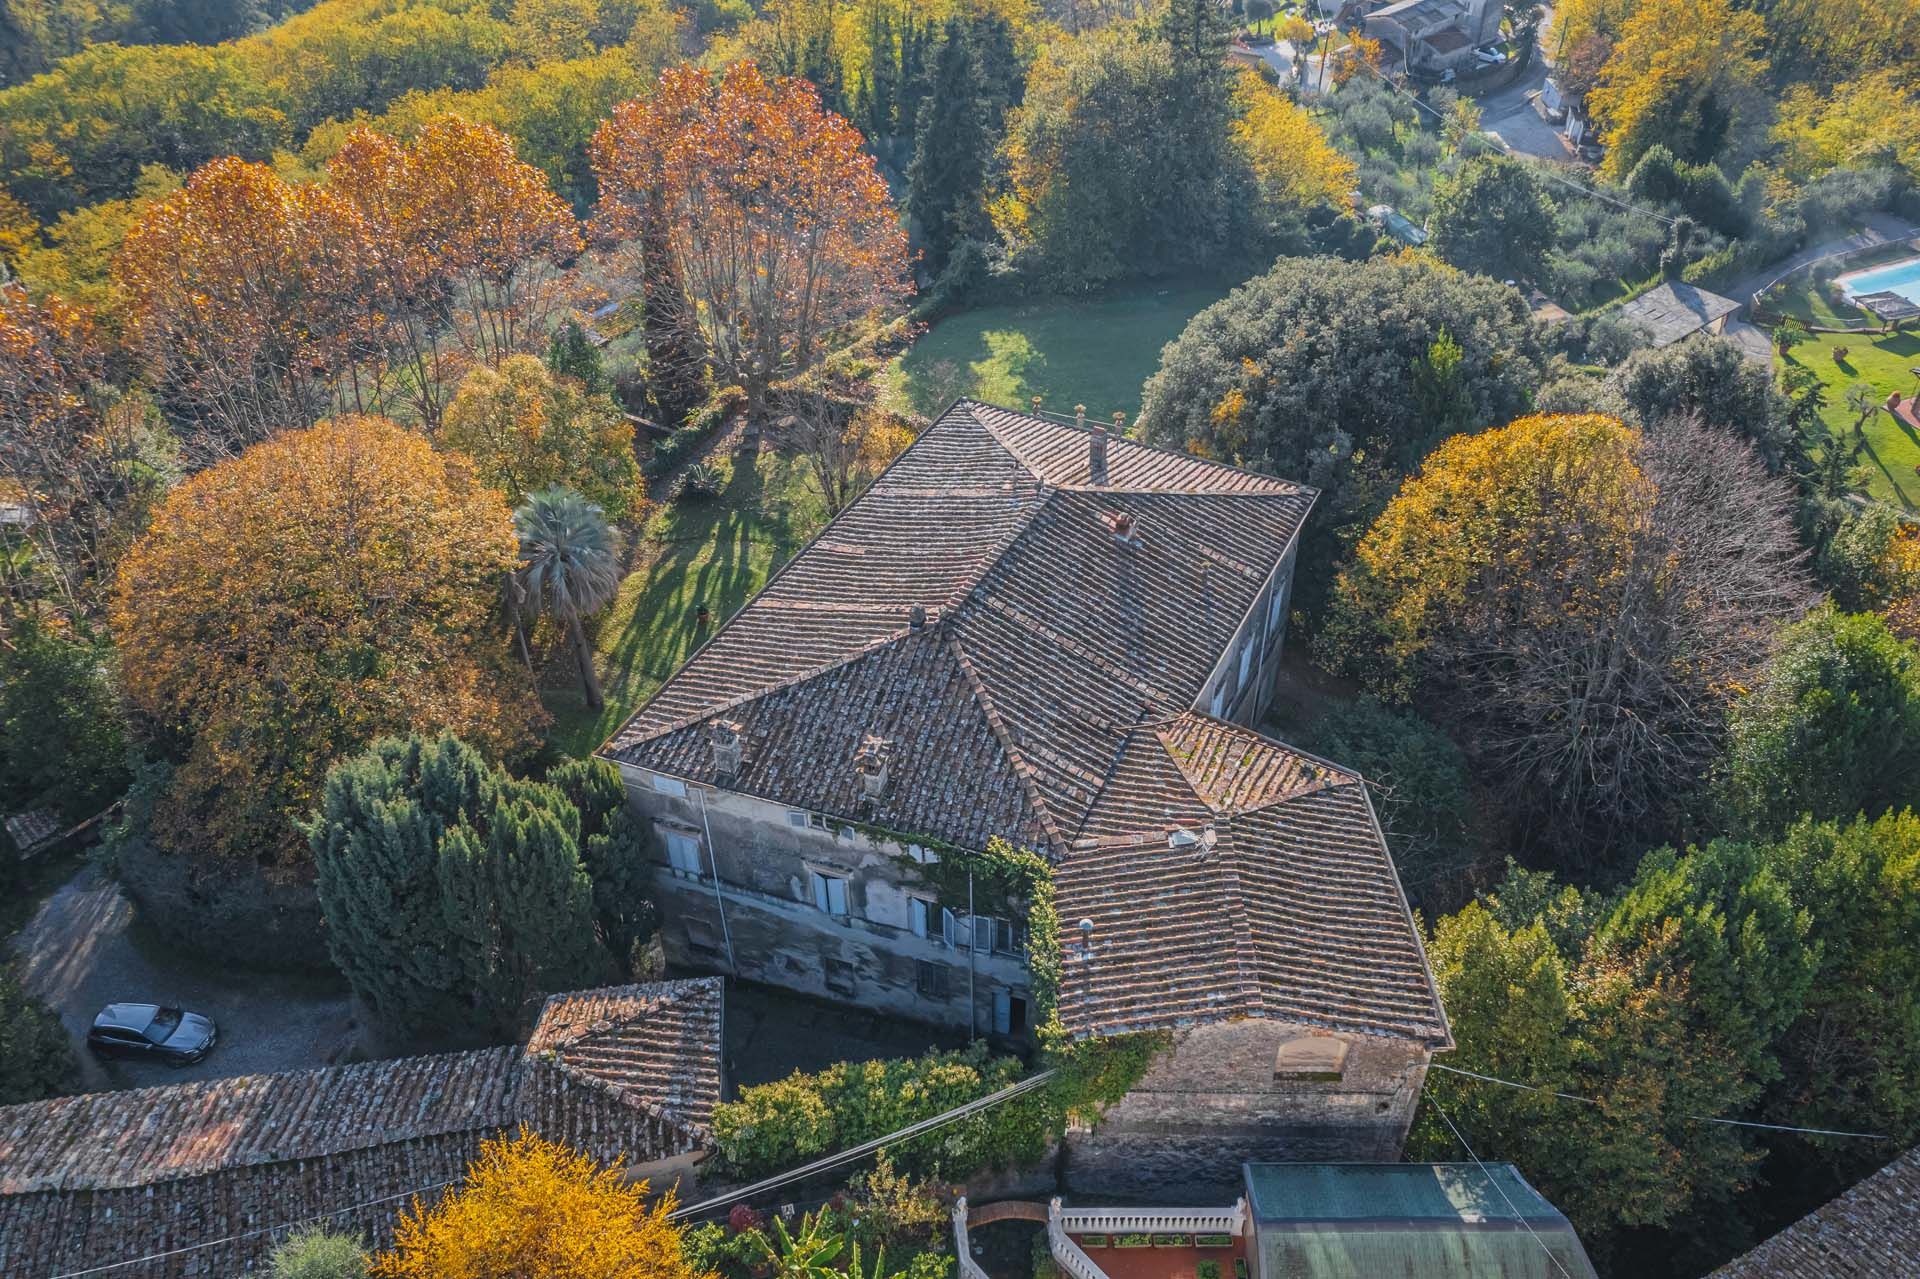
1495 1183
1501 148
1703 1119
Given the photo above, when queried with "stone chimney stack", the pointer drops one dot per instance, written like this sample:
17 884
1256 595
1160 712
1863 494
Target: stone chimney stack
872 762
1097 455
726 739
917 617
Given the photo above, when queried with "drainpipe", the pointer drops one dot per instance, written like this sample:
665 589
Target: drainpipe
713 859
973 930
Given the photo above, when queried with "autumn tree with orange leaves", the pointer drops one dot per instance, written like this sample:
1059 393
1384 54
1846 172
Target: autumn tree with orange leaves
776 219
292 604
79 466
470 240
531 1207
243 301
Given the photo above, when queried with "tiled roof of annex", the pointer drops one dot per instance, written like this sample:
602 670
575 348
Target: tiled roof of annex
1046 693
657 1045
1872 1230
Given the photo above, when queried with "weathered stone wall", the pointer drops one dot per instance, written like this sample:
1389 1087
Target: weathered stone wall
773 933
1213 1102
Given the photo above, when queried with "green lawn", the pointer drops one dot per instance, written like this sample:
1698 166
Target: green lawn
1093 351
1892 449
720 552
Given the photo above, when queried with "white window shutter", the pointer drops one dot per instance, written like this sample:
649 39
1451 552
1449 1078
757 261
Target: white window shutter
917 912
949 927
1002 1012
819 890
836 896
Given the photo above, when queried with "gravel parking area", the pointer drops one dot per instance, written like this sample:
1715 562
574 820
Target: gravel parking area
85 949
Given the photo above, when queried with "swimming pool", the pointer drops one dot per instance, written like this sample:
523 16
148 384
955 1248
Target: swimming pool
1901 277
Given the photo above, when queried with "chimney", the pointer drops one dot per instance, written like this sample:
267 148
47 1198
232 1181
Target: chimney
724 736
1097 455
1080 416
917 617
1036 406
1121 522
871 761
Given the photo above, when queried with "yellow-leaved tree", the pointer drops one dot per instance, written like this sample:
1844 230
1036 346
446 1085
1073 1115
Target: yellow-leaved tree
1861 120
1680 75
533 1209
527 428
1295 164
285 608
1559 591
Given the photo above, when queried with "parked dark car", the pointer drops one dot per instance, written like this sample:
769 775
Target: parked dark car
152 1031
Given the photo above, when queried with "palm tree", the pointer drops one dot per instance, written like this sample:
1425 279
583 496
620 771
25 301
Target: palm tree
567 568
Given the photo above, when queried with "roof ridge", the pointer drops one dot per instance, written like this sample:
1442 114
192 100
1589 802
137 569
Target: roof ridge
1015 758
1132 442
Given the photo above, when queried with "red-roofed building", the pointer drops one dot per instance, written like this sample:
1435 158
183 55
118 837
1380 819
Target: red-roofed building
1033 630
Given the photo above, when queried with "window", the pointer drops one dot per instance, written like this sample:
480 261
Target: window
796 819
670 786
1009 938
683 852
840 977
830 893
920 915
1009 1013
925 856
933 980
982 934
817 820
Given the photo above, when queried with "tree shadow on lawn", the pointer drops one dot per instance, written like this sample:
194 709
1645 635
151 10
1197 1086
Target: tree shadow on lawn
1893 480
695 553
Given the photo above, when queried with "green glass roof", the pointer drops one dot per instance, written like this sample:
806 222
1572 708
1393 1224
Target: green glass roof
1460 1193
1430 1221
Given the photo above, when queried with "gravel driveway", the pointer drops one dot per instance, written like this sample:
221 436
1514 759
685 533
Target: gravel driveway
84 949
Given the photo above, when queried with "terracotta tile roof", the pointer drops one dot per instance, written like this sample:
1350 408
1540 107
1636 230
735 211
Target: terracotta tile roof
1870 1232
229 1160
657 1045
1276 899
1047 694
105 1140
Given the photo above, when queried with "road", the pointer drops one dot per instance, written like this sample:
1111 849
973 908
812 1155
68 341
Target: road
84 949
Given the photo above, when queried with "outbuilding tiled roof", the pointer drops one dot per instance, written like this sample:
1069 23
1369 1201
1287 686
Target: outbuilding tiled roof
198 1178
1870 1232
1030 639
656 1045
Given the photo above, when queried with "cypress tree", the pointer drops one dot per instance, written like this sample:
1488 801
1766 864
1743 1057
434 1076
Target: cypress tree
946 183
614 849
453 894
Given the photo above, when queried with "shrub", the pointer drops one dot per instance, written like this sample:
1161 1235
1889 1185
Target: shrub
36 1058
1831 730
62 743
318 1254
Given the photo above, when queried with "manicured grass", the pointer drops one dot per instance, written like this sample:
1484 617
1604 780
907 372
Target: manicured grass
1810 303
721 552
1093 351
1892 448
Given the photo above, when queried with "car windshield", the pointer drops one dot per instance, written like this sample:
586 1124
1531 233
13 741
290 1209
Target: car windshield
164 1023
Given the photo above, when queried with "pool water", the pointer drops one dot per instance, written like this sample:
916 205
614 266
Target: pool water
1902 278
